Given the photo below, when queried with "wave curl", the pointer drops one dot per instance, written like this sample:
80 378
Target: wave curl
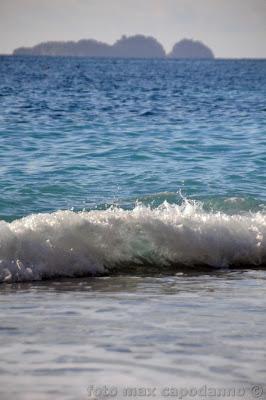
67 243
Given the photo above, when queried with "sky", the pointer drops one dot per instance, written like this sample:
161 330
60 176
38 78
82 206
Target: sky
231 28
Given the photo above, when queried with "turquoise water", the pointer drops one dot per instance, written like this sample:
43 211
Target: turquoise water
82 133
132 227
150 162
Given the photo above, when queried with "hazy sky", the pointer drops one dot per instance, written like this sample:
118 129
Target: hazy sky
232 28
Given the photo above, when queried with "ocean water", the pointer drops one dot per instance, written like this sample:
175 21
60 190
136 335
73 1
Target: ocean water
132 225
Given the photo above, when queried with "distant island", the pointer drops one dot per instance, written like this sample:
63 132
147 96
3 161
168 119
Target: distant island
187 48
137 46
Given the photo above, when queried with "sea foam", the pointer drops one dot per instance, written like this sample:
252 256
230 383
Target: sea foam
67 243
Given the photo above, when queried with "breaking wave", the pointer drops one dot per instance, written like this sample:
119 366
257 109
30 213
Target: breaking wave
67 243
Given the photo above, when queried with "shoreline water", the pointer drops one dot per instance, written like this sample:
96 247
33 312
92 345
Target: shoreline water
92 156
182 331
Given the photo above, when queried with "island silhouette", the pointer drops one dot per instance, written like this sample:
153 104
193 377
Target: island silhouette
137 46
188 48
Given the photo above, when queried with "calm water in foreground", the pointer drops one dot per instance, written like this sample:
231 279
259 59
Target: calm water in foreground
182 331
133 227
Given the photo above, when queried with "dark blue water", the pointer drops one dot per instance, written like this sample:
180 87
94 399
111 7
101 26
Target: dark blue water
83 135
81 132
152 174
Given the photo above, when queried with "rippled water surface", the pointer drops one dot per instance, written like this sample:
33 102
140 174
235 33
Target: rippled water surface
184 330
132 226
80 132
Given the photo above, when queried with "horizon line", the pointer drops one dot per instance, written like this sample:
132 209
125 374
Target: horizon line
134 58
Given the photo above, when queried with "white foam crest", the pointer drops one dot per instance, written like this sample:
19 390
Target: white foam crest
67 243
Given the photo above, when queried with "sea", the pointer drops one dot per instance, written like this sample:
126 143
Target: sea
132 228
